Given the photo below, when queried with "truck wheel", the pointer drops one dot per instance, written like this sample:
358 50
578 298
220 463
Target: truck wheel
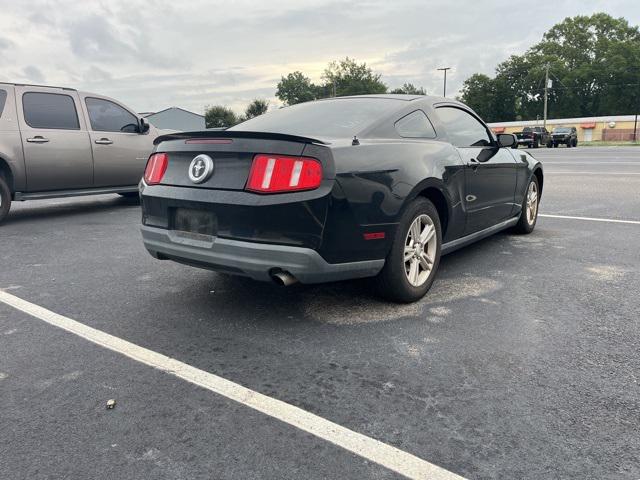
5 199
575 142
568 144
555 145
550 144
536 143
413 260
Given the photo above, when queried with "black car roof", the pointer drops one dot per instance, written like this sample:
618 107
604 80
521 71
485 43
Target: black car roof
431 99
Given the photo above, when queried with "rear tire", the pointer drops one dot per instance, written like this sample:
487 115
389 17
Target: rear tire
411 265
529 212
536 143
5 199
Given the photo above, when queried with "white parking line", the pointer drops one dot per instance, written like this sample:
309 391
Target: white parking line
577 172
553 162
390 457
591 219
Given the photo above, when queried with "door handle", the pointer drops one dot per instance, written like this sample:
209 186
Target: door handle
37 139
104 141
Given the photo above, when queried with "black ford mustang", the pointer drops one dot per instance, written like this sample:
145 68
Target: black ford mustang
339 188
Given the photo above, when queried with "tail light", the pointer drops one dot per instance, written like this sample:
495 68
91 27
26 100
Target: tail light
156 166
280 173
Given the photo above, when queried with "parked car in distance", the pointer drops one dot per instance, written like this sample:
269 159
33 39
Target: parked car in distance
533 137
565 135
58 142
367 186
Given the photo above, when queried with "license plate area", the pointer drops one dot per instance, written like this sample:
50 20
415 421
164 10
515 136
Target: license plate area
195 224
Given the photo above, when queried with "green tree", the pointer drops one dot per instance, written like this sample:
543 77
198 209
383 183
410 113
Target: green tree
296 88
218 116
347 77
595 61
594 64
409 89
255 108
478 91
343 77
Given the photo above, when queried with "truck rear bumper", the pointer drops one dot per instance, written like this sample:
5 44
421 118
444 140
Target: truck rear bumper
256 260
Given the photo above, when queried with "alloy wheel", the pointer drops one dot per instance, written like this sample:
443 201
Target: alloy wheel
532 203
420 250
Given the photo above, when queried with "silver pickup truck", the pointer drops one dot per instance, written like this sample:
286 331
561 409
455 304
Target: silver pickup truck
58 142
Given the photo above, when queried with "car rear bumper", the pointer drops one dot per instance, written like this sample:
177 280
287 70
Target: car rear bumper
256 260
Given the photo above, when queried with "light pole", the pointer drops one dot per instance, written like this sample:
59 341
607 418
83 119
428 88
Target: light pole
444 69
546 94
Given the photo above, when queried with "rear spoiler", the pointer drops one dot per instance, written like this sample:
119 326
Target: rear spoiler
236 134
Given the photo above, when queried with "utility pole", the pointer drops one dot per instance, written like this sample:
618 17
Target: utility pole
546 94
444 92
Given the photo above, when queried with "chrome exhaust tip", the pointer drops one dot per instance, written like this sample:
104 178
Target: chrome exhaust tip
284 279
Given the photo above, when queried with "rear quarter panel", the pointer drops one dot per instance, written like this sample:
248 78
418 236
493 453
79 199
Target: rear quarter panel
377 179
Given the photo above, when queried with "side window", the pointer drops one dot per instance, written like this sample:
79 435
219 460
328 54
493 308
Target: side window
463 129
106 116
3 99
415 125
50 110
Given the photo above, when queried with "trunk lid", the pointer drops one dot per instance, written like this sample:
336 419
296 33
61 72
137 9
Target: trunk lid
232 154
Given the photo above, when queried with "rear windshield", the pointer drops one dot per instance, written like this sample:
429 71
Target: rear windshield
3 98
327 118
532 129
562 130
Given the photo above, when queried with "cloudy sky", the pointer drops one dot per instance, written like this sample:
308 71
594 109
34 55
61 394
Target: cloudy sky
154 54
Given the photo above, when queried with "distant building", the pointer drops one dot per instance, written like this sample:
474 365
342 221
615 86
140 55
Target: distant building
175 118
590 129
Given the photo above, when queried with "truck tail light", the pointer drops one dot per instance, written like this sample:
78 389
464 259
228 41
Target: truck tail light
156 166
281 173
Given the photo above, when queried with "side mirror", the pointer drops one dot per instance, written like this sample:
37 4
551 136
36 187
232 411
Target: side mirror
144 125
506 140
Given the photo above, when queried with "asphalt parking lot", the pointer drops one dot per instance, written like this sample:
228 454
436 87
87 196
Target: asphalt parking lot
522 362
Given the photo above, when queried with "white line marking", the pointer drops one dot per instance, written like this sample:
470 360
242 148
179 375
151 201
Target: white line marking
550 162
551 172
390 457
591 219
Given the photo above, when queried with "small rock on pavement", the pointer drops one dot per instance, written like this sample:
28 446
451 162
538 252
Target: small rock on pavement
111 404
